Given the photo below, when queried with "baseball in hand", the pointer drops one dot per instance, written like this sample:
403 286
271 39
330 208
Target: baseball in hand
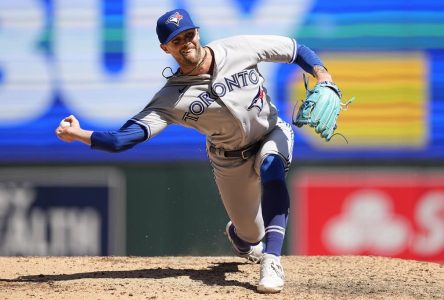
64 123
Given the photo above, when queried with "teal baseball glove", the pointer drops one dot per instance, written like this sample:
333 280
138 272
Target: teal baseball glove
321 108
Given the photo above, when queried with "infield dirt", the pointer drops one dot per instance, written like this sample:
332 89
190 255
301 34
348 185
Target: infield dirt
346 277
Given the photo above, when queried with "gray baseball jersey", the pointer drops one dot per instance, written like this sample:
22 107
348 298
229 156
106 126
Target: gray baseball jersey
232 108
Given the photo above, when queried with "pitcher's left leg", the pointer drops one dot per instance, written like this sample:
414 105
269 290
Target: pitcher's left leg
275 203
275 206
272 165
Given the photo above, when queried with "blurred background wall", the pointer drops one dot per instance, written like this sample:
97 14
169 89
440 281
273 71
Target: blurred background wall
380 194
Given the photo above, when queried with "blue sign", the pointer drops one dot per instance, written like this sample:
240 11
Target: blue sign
61 212
101 61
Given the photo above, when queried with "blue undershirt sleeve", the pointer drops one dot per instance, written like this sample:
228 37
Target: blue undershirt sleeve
129 135
307 59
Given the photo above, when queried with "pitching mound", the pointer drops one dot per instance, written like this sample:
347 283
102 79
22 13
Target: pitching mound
216 278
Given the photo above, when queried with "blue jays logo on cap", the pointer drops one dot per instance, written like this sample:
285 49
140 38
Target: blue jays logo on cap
170 24
175 19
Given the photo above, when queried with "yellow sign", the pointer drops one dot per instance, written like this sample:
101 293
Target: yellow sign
391 103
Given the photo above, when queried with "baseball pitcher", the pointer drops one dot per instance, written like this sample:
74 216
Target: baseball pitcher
219 90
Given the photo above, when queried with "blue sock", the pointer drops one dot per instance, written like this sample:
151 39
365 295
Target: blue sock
275 203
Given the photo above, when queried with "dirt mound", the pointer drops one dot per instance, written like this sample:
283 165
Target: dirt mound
347 277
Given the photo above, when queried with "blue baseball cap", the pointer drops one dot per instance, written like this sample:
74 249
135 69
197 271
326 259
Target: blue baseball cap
172 23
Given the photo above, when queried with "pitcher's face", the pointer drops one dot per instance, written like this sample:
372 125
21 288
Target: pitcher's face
185 48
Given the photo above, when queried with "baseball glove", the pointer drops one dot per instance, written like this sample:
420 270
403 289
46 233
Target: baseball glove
321 108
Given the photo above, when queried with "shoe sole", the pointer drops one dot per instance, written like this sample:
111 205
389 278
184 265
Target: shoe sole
269 290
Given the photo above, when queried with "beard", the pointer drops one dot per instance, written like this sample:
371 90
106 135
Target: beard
192 56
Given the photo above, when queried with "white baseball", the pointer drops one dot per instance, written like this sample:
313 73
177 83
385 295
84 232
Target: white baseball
64 123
